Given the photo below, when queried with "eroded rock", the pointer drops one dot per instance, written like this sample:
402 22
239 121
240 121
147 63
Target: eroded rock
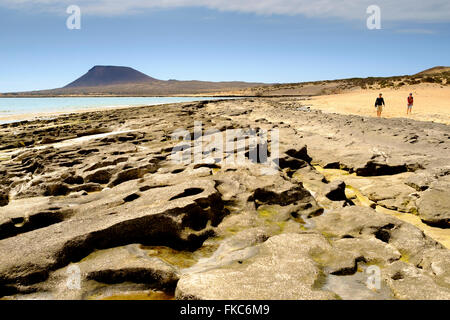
282 269
434 207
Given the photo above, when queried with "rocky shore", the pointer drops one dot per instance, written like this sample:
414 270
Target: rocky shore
92 206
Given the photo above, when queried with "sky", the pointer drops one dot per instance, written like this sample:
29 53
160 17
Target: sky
272 41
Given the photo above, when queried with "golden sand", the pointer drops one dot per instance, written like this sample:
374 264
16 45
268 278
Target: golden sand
431 102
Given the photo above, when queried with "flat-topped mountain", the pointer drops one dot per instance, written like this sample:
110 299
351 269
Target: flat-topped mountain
109 75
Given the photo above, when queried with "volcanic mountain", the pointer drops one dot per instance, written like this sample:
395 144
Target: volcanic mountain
110 75
125 81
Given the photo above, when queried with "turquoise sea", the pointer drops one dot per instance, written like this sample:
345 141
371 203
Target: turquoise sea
26 106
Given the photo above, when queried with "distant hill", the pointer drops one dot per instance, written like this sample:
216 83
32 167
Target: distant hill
435 70
110 75
125 81
438 76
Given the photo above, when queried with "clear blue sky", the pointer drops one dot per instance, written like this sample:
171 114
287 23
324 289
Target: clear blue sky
193 41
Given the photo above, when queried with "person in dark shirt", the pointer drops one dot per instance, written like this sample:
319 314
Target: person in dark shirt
379 103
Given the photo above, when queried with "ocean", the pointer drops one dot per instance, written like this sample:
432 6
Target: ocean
23 108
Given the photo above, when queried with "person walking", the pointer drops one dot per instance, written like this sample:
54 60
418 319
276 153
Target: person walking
410 104
379 103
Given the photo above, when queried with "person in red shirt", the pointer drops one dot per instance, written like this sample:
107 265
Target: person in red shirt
410 104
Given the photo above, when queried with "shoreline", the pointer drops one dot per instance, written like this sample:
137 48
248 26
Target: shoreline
36 116
432 103
314 102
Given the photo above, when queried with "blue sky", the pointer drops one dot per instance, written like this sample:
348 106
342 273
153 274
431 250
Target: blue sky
273 43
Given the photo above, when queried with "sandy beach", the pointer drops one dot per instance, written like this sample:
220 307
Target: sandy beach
431 102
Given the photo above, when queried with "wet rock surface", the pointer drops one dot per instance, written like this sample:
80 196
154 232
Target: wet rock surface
93 205
281 268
